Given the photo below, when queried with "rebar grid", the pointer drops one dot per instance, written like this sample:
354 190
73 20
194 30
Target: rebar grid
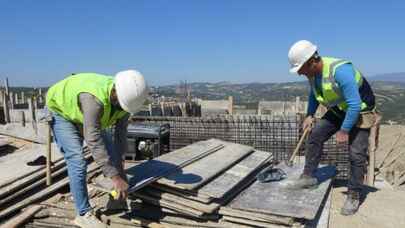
276 134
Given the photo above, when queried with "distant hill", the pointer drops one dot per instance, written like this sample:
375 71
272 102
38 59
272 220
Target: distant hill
392 77
390 95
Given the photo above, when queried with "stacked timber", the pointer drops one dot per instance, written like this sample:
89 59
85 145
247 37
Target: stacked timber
276 204
195 192
31 187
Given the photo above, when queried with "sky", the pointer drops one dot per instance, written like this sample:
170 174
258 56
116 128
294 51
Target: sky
43 41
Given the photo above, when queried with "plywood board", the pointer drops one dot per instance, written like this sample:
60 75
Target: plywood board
207 208
256 216
246 221
221 185
149 171
198 173
277 198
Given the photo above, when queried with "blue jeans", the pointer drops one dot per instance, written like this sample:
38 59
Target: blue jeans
70 142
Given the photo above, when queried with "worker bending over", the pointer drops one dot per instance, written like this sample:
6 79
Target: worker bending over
87 106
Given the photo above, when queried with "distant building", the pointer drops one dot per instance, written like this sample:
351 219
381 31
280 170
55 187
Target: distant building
216 107
281 107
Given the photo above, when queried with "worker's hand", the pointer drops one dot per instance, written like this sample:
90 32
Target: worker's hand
342 137
121 186
309 120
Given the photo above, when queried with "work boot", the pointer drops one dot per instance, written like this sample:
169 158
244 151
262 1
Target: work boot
352 203
304 181
88 220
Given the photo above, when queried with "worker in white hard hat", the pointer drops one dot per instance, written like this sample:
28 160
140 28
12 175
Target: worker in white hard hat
343 90
86 106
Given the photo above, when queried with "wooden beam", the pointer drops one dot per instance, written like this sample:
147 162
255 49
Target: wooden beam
22 217
373 144
31 108
48 155
20 192
42 194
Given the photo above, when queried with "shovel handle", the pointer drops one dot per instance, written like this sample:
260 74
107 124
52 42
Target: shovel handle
297 148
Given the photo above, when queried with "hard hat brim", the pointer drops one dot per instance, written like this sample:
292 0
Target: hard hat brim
295 69
121 101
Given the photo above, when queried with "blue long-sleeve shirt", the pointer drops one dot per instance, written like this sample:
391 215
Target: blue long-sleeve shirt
345 78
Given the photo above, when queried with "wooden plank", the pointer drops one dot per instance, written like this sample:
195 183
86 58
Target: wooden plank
21 190
171 205
221 185
196 174
277 198
18 193
169 217
322 219
22 217
200 197
31 177
373 144
133 221
150 171
207 208
42 194
246 221
226 211
49 156
192 195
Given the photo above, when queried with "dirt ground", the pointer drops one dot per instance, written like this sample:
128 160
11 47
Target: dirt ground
383 207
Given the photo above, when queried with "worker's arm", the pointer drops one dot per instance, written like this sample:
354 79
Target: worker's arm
312 104
120 139
345 78
92 110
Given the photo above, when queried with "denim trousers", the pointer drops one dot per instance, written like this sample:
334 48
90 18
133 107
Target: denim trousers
358 148
69 139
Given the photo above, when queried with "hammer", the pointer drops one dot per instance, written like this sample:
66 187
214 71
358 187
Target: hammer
297 148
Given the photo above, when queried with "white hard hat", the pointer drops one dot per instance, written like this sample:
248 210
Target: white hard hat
131 89
299 53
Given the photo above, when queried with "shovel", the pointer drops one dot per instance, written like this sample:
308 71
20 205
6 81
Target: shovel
290 161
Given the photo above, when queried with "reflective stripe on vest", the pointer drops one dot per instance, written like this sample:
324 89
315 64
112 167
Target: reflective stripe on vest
331 95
